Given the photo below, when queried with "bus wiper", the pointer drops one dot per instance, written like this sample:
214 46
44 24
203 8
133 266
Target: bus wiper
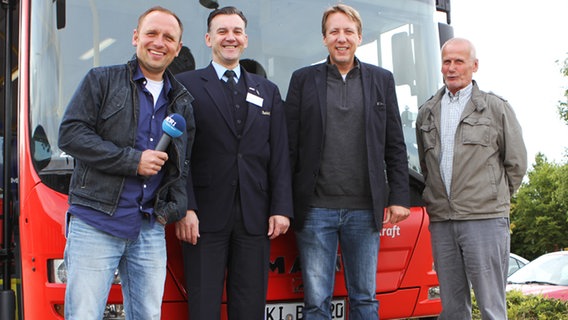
534 282
60 13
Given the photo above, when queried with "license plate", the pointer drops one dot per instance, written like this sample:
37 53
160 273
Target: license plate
294 310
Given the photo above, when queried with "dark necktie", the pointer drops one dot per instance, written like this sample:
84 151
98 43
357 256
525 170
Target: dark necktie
231 79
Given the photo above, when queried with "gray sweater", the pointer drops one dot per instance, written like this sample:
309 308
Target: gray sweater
343 181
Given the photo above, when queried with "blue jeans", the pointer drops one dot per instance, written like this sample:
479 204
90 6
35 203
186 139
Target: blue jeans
92 257
318 240
472 252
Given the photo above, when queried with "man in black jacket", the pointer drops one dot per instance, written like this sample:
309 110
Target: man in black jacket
344 126
111 127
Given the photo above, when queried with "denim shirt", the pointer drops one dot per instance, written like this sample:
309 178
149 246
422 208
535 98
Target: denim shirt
99 130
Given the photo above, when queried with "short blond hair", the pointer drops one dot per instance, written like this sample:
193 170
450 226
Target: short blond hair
346 10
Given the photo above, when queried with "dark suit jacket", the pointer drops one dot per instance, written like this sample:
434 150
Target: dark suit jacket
256 164
306 114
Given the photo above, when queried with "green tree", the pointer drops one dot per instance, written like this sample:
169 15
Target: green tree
563 106
539 216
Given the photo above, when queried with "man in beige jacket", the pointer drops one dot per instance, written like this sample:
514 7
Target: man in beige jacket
473 159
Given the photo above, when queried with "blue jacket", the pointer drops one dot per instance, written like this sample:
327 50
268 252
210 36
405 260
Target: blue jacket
99 130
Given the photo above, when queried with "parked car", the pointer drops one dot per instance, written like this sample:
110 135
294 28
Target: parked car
515 263
546 275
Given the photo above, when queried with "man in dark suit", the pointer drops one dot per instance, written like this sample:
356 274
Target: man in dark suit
239 189
344 126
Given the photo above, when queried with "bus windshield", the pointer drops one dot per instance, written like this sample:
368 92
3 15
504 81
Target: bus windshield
400 36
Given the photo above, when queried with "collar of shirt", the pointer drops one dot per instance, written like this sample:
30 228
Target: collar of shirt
356 64
463 94
220 70
139 78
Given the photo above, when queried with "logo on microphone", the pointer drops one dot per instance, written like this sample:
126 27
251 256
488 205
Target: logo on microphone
174 125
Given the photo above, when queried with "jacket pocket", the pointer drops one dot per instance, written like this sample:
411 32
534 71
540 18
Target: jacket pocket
381 106
115 103
476 131
429 136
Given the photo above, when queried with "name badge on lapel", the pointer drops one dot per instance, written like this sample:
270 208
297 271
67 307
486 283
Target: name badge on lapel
254 99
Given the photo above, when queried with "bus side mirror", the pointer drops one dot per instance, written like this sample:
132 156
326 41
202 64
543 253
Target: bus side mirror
41 149
209 4
404 64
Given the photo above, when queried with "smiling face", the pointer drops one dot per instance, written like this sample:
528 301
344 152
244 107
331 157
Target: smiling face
227 39
158 41
341 39
458 64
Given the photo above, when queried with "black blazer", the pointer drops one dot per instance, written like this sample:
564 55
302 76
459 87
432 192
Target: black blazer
306 113
256 162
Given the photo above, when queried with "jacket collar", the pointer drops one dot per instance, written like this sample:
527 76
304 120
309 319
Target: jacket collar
169 80
476 102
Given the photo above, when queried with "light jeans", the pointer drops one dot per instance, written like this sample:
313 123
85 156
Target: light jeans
472 252
92 257
318 240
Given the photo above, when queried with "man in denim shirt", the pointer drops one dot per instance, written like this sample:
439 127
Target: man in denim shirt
121 183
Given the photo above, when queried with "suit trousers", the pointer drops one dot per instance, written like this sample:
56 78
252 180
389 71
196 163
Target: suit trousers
241 257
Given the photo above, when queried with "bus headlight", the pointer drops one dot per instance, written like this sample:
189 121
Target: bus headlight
112 311
58 272
433 293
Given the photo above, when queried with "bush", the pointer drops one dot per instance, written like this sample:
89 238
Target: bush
533 307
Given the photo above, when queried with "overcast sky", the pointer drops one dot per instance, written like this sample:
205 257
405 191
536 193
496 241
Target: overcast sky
518 44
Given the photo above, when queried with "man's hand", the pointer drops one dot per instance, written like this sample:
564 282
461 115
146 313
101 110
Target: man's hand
277 225
151 162
396 214
187 229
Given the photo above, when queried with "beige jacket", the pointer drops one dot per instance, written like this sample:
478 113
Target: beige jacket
490 158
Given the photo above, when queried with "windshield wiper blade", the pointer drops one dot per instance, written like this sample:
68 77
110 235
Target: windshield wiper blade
534 282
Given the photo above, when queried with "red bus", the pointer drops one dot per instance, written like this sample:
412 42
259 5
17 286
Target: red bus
52 44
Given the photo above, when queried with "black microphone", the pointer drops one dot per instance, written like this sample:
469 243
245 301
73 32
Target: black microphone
173 127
